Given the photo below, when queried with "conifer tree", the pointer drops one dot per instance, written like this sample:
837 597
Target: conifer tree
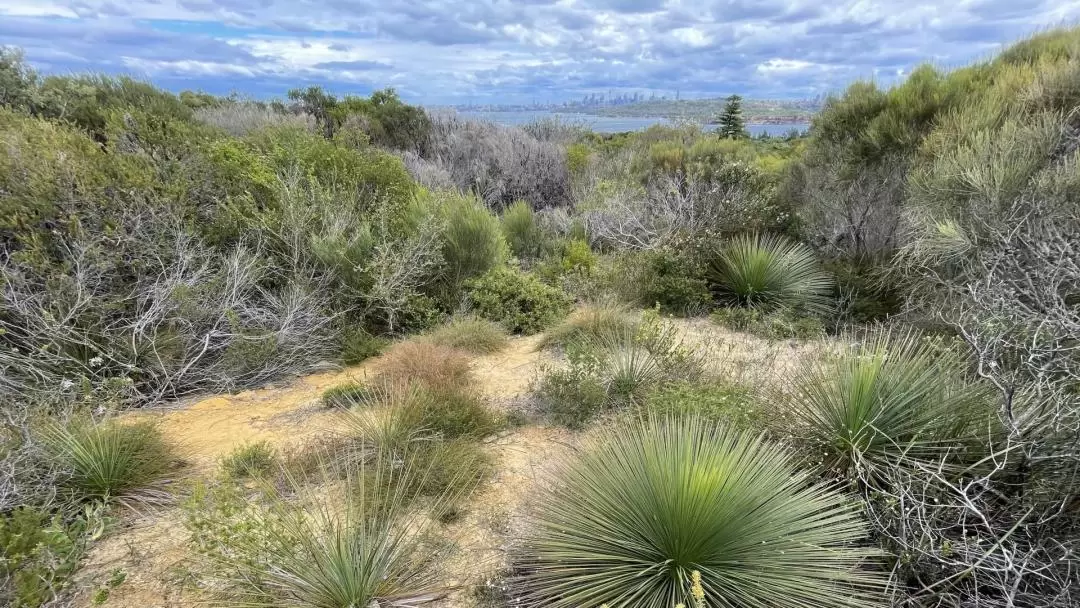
731 120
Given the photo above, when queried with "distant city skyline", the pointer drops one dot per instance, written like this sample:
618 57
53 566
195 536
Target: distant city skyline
454 52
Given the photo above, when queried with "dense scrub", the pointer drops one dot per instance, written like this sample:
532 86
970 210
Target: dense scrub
156 246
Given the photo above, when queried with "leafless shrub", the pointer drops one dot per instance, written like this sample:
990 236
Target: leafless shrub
500 164
671 206
428 173
241 118
554 129
855 217
1005 531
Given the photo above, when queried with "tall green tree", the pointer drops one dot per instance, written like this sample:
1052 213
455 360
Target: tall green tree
731 120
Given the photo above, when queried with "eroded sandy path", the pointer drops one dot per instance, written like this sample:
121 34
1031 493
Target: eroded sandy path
150 548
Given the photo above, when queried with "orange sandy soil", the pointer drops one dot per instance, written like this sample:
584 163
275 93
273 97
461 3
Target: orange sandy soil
151 547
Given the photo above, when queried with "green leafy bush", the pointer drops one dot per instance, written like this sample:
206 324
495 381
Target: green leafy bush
519 302
768 271
780 324
38 555
628 519
111 459
476 336
357 345
574 395
668 277
899 396
255 459
617 367
725 404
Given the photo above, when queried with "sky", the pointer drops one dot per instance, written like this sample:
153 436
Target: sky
501 51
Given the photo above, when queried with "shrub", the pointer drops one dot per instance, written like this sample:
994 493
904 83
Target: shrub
896 397
522 232
111 459
431 365
503 164
768 271
725 404
476 336
472 243
38 555
357 345
516 300
572 396
644 505
357 547
255 459
780 324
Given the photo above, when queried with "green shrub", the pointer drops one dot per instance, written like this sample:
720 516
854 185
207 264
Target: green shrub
476 336
780 324
526 239
519 302
38 555
111 459
899 396
357 345
768 271
255 459
572 396
724 404
473 242
669 278
631 517
577 158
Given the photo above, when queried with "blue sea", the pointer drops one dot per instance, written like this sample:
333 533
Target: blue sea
606 124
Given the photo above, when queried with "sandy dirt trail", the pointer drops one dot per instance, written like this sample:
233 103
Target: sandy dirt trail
150 547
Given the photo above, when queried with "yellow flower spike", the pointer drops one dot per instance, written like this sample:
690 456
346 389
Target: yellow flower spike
696 590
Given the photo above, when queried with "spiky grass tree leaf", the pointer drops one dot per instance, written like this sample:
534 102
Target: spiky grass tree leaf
112 460
895 396
627 522
769 271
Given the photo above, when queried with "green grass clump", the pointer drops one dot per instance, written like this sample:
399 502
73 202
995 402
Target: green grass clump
255 459
111 459
897 396
347 395
780 324
476 336
768 271
590 322
628 520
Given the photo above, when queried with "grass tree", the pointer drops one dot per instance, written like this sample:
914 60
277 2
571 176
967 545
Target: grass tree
898 396
629 520
769 271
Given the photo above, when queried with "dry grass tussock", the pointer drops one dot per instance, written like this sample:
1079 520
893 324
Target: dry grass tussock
434 365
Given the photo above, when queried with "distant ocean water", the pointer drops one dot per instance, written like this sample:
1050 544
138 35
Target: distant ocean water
607 124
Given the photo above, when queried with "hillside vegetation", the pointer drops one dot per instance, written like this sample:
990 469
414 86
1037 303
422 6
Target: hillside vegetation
832 370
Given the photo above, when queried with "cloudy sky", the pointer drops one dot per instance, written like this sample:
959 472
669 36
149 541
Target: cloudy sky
458 51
